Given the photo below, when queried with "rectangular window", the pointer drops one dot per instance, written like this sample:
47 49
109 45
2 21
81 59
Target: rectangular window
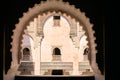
57 17
56 20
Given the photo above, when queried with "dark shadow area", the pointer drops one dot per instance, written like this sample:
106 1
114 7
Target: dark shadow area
54 78
57 72
56 51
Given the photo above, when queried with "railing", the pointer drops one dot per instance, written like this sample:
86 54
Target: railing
26 58
56 65
83 66
26 66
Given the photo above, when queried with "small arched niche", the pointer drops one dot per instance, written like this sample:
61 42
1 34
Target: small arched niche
56 51
26 54
56 54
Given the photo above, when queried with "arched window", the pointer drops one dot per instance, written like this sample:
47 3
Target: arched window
26 54
56 51
56 20
56 54
26 51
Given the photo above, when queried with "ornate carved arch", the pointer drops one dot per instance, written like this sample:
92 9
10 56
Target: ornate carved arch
45 7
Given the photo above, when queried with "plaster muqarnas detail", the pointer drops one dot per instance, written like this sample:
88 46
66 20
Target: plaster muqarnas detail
53 40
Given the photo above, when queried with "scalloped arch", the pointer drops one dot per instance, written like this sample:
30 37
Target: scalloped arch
44 7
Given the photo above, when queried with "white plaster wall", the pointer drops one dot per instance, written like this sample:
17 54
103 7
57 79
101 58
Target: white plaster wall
57 36
54 36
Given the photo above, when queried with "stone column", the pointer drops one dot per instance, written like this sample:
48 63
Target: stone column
75 64
37 56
